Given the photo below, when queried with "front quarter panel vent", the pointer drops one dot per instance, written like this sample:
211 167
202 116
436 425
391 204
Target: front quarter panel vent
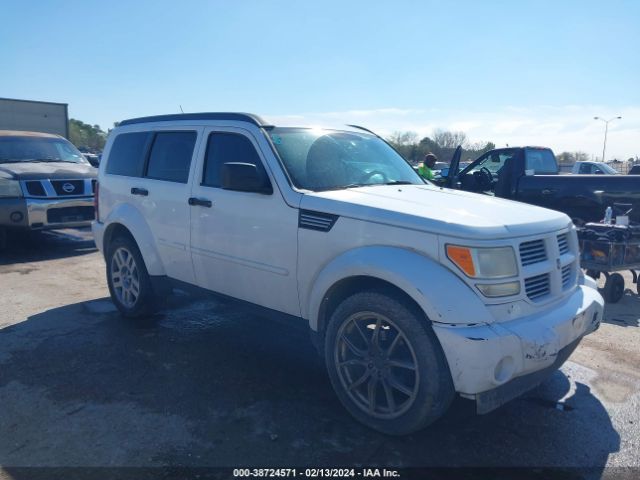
311 220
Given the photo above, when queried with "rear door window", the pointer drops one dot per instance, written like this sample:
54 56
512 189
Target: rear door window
170 157
128 153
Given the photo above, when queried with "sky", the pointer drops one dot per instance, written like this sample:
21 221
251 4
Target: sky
512 72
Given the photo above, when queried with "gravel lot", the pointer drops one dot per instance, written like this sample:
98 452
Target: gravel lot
210 386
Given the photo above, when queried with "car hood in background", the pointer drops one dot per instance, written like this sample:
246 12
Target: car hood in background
53 170
438 210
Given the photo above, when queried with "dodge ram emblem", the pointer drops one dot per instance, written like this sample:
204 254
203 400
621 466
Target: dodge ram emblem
68 187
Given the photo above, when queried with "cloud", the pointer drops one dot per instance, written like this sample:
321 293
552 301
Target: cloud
563 128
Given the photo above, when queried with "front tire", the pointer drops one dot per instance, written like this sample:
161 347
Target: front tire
386 364
128 280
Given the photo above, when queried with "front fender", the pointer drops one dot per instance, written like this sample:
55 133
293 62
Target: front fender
131 218
440 293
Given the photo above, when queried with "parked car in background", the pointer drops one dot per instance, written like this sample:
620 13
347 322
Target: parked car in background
437 168
45 182
530 175
593 168
92 158
635 170
445 171
412 293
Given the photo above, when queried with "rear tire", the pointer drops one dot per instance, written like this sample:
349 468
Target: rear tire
614 288
386 364
128 280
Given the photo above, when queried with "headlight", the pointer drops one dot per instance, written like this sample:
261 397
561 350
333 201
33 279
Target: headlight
10 188
487 263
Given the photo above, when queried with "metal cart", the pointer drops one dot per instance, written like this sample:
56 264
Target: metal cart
604 256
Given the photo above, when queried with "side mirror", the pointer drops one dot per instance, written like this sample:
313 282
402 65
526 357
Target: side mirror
599 172
244 177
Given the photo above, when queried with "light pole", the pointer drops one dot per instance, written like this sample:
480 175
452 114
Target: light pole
606 129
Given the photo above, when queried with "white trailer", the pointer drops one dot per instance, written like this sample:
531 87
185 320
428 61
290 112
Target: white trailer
34 116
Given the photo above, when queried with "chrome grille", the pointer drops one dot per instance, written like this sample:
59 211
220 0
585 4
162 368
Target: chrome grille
48 188
537 287
532 252
563 243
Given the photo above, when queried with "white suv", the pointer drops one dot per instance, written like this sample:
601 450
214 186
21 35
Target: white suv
413 292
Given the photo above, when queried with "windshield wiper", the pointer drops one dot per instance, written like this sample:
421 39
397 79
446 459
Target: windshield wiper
399 182
52 160
343 187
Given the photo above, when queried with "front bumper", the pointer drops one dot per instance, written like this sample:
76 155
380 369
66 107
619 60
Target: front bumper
494 363
46 213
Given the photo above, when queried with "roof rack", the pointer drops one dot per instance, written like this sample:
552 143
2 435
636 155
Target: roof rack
242 117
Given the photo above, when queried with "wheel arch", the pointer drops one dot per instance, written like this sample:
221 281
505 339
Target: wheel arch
419 280
128 221
349 286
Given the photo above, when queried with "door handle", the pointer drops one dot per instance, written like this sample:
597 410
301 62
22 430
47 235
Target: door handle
201 202
139 191
548 191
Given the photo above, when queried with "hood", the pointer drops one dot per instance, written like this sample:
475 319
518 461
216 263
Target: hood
52 170
438 210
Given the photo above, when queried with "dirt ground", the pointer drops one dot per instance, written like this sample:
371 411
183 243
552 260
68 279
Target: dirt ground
210 386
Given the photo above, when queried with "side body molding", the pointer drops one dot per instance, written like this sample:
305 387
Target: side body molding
440 293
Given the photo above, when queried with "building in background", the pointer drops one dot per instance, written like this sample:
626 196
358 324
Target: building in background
34 116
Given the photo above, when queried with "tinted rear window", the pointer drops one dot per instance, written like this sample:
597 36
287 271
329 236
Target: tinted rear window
127 154
541 161
170 157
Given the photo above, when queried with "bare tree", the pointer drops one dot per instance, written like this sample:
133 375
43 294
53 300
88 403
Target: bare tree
447 140
403 138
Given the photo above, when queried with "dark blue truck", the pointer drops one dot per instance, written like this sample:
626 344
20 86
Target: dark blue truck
531 175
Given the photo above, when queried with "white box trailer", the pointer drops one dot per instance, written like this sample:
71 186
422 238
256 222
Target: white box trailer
34 116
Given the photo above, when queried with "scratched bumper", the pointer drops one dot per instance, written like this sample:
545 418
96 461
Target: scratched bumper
495 363
492 399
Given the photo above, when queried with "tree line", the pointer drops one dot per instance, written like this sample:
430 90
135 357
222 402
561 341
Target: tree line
442 144
88 138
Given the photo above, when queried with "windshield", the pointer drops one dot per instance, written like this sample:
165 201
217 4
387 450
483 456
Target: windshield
38 149
607 169
494 161
329 159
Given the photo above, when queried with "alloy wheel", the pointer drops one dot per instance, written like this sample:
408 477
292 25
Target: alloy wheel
376 365
125 277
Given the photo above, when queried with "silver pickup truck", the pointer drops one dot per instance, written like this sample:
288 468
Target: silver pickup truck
45 182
